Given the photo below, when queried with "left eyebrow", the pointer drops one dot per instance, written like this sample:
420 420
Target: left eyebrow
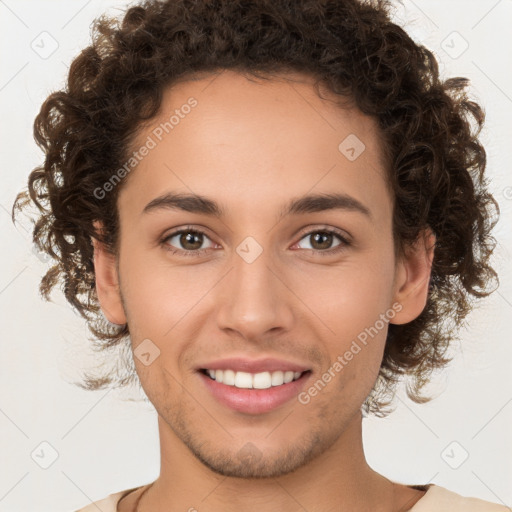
322 202
195 203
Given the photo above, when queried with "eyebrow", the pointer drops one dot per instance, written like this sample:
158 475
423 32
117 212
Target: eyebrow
313 203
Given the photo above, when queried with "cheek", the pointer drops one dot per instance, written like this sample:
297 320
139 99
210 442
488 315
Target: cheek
355 306
158 292
352 296
163 305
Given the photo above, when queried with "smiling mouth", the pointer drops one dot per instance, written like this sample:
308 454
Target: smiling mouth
253 393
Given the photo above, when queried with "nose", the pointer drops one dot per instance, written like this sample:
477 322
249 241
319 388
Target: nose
255 298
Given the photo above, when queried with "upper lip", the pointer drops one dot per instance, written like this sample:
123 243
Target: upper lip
240 364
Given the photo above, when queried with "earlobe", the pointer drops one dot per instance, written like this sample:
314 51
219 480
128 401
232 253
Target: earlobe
413 278
107 281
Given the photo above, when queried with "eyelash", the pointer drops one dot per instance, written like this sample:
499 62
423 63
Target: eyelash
328 252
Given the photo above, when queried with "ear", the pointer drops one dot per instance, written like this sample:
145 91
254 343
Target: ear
107 281
412 278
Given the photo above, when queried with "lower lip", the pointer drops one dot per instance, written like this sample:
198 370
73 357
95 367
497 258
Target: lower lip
255 401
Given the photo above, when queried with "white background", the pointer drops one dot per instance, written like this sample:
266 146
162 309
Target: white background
106 441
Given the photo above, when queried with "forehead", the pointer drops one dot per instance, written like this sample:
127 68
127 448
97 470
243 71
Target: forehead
247 139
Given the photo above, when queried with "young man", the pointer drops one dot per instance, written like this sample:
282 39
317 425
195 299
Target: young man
245 189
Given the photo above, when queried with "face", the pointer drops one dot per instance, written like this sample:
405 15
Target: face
257 281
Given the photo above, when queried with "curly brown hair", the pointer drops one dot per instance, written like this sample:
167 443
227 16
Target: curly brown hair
429 127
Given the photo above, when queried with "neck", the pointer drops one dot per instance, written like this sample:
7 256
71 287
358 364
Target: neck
338 475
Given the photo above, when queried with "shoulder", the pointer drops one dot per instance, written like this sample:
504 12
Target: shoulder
108 504
439 499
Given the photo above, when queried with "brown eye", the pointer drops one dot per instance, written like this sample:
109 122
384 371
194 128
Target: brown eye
322 241
187 242
191 241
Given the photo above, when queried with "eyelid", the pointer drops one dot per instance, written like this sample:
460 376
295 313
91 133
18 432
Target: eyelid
313 228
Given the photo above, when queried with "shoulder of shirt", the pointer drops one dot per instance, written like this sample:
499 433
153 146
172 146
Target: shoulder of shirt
439 499
108 504
436 499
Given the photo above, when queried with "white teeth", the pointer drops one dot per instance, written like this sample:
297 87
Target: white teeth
242 379
228 377
247 380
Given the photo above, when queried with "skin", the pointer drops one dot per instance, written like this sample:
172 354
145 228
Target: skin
252 146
